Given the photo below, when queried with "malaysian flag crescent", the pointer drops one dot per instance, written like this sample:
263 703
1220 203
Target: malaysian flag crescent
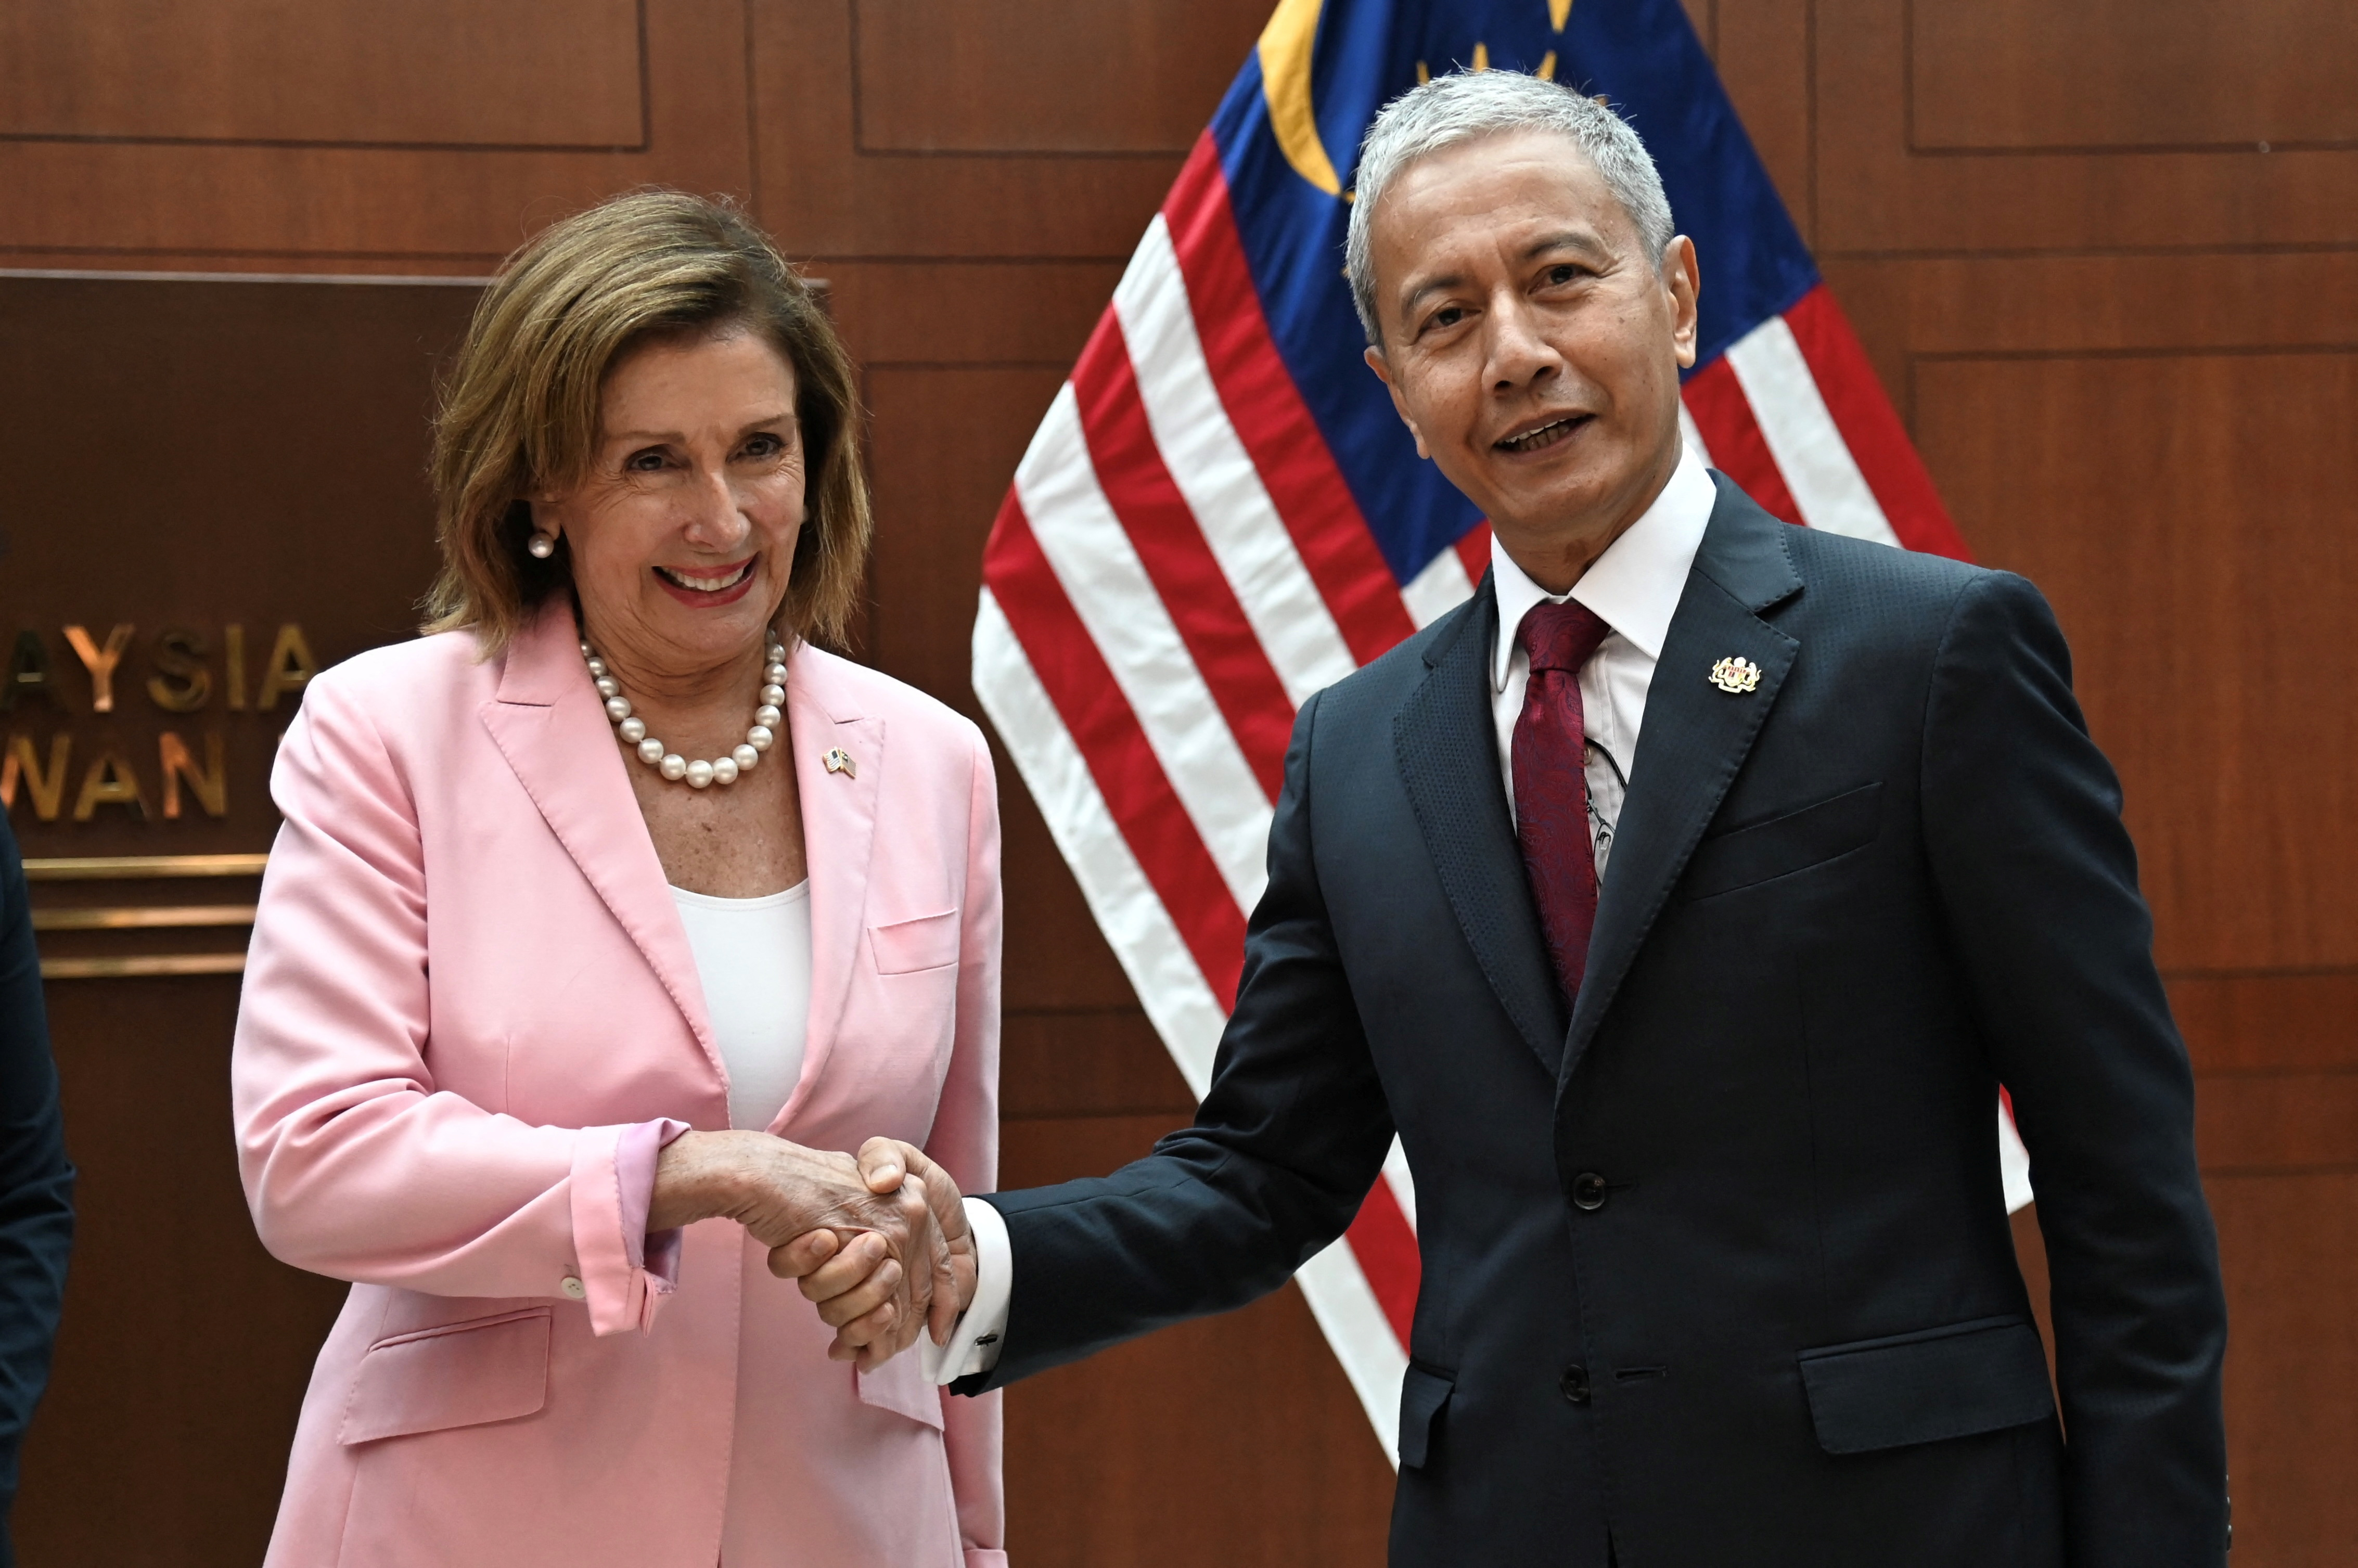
1221 514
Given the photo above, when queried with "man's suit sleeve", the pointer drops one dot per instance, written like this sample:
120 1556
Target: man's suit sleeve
35 1182
1290 1137
2022 823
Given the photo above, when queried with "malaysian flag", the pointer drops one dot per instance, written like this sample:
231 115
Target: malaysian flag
1221 513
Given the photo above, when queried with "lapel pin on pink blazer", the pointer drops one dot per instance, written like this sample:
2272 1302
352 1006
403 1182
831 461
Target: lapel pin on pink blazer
838 761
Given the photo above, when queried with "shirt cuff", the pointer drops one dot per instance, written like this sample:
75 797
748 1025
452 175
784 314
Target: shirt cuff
975 1341
634 1173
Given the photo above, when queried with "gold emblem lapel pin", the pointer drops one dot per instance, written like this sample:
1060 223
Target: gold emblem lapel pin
1735 676
838 761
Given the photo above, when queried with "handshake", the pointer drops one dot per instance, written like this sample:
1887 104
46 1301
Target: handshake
880 1242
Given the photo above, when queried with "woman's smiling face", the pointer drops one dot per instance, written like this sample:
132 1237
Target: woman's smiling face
682 535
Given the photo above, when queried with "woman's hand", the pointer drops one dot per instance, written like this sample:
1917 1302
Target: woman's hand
847 1282
881 1229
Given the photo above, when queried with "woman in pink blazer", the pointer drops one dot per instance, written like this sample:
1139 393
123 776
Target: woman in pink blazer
583 944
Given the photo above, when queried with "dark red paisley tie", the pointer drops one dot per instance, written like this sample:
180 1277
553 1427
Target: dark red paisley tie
1551 790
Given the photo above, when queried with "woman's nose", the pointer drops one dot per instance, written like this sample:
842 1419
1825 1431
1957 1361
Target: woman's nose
715 520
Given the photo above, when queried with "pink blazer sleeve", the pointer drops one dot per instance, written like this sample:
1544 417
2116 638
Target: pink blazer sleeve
965 1141
354 1165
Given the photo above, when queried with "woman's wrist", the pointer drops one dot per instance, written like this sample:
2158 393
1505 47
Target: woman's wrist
698 1176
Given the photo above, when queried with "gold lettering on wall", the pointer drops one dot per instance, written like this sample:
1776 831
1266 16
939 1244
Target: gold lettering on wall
111 781
28 671
233 655
211 786
181 682
48 789
100 662
290 668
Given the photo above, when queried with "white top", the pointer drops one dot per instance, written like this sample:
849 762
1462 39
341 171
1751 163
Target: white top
753 957
1634 588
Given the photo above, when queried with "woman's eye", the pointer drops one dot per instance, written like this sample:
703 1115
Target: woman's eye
647 462
764 446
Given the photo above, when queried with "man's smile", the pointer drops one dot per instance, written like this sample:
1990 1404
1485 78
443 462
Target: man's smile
1539 436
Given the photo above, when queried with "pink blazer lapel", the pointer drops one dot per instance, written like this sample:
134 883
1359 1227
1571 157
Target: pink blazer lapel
548 723
838 809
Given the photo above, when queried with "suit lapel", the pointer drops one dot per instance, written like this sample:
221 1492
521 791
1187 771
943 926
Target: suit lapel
1446 747
1694 739
548 723
838 811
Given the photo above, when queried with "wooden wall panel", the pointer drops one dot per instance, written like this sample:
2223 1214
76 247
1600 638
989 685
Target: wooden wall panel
1876 193
2117 74
309 207
427 72
1043 76
2186 515
1235 1440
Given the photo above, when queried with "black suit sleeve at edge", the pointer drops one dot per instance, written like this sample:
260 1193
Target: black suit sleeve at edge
2039 880
35 1182
1285 1147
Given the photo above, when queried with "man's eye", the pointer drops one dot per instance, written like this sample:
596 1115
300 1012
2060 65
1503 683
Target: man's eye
1448 315
1563 272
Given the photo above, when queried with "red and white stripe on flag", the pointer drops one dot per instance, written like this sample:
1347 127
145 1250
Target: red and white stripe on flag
1180 564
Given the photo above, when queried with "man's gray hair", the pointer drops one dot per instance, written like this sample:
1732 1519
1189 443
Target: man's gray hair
1450 110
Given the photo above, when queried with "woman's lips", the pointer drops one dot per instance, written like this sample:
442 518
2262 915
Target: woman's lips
707 586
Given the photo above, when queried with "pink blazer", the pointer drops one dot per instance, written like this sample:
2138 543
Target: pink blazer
468 986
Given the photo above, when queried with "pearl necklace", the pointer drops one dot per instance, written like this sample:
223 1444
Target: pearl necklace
671 765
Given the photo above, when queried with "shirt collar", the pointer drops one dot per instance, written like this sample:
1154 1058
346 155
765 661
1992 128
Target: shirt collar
1633 586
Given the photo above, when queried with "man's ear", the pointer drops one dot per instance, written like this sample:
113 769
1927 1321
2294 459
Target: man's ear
1375 357
1683 278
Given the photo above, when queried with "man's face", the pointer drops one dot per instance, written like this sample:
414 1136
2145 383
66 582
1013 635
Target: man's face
1528 341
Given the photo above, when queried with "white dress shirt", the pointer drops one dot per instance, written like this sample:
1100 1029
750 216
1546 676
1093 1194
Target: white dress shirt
1634 588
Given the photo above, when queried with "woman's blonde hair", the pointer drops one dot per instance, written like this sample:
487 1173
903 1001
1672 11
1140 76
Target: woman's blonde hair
519 410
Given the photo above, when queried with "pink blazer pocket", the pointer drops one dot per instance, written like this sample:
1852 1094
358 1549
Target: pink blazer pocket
899 1386
926 943
458 1373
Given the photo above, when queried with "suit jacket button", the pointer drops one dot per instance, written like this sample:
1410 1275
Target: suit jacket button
1574 1384
573 1288
1588 1191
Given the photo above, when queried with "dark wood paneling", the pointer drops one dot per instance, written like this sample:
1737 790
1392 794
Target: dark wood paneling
437 73
1875 194
2289 1244
2268 1022
326 209
2187 516
185 1348
947 440
1040 75
823 196
1235 1440
2130 74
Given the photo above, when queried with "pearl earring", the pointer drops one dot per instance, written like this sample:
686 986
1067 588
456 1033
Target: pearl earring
540 547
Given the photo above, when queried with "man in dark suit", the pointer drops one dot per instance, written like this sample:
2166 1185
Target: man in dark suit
1697 1078
35 1182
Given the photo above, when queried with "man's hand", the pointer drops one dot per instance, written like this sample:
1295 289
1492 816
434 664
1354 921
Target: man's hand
855 1291
879 1228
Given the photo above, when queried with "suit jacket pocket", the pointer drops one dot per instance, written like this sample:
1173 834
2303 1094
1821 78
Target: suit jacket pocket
926 943
457 1374
1423 1393
899 1386
1926 1387
1784 845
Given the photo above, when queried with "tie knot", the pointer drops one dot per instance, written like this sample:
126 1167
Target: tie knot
1560 636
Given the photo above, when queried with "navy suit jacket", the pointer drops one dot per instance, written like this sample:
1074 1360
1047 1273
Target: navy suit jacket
1842 909
36 1183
